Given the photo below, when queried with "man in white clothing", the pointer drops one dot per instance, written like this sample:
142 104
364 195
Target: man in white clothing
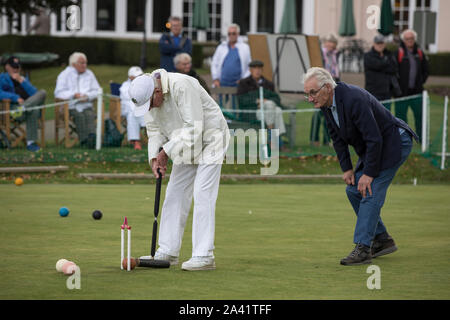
183 119
230 60
78 82
127 106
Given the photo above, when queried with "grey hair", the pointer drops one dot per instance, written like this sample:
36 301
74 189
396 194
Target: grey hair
236 26
321 75
402 36
74 57
331 38
180 57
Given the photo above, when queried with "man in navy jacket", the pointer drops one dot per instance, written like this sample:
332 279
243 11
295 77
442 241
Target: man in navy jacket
23 95
381 141
173 43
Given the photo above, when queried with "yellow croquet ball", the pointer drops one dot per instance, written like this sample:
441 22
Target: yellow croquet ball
18 182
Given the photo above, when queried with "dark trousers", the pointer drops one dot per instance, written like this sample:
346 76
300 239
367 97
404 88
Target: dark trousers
317 121
401 111
84 122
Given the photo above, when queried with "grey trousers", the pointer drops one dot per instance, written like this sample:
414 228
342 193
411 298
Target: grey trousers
31 117
85 122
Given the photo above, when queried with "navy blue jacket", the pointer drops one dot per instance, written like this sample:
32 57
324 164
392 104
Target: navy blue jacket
366 125
169 50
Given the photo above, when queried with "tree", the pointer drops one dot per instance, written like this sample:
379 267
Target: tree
10 8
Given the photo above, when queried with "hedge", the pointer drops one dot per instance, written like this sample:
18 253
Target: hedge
98 50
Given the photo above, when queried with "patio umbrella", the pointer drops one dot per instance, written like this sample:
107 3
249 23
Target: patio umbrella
200 19
386 18
347 24
289 22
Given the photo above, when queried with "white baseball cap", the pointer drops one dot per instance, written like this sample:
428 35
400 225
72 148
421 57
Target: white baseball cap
135 72
140 91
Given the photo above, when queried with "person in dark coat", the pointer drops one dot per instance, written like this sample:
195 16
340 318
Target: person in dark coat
173 43
413 72
183 64
382 142
379 68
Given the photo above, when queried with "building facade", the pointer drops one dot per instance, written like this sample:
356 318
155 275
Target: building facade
125 18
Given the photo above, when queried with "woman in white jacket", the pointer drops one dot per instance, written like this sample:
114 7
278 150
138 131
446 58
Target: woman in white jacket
78 82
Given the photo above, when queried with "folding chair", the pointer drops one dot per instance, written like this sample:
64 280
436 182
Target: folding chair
15 130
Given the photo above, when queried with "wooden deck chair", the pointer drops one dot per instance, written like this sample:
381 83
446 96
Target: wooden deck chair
15 130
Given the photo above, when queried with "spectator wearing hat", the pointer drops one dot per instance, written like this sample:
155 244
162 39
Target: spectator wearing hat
183 64
127 106
78 83
379 68
248 97
23 94
330 56
173 43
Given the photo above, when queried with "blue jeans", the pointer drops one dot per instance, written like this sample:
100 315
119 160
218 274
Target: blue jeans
369 223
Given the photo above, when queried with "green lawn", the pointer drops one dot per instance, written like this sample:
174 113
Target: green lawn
272 242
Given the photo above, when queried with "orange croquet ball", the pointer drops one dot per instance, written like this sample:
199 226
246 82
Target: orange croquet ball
18 182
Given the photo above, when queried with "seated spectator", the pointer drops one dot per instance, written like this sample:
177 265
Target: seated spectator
183 64
379 67
248 95
23 95
127 107
78 82
173 43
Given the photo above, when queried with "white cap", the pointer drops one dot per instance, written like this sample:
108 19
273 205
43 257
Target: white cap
140 91
135 72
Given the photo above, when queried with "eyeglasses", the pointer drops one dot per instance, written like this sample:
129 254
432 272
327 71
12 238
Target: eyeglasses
232 33
313 93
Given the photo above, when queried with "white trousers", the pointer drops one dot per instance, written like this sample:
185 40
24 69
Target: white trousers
273 116
133 126
187 180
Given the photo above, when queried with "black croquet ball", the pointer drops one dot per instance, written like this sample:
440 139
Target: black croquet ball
97 214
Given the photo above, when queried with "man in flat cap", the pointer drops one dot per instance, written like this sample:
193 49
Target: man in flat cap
23 95
248 96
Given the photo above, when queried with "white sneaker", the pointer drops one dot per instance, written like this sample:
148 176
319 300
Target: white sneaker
162 256
199 263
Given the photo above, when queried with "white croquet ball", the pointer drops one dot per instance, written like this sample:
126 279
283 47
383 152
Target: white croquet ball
59 264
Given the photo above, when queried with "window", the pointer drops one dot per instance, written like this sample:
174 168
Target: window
241 15
106 11
401 16
266 12
161 14
423 4
135 15
214 10
299 9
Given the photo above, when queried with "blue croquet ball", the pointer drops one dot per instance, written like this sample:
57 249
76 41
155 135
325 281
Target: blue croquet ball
63 212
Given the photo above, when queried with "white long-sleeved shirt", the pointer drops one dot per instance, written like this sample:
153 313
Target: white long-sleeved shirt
221 53
125 101
70 82
189 125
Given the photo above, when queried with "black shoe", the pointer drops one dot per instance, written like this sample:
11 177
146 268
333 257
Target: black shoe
383 245
360 255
